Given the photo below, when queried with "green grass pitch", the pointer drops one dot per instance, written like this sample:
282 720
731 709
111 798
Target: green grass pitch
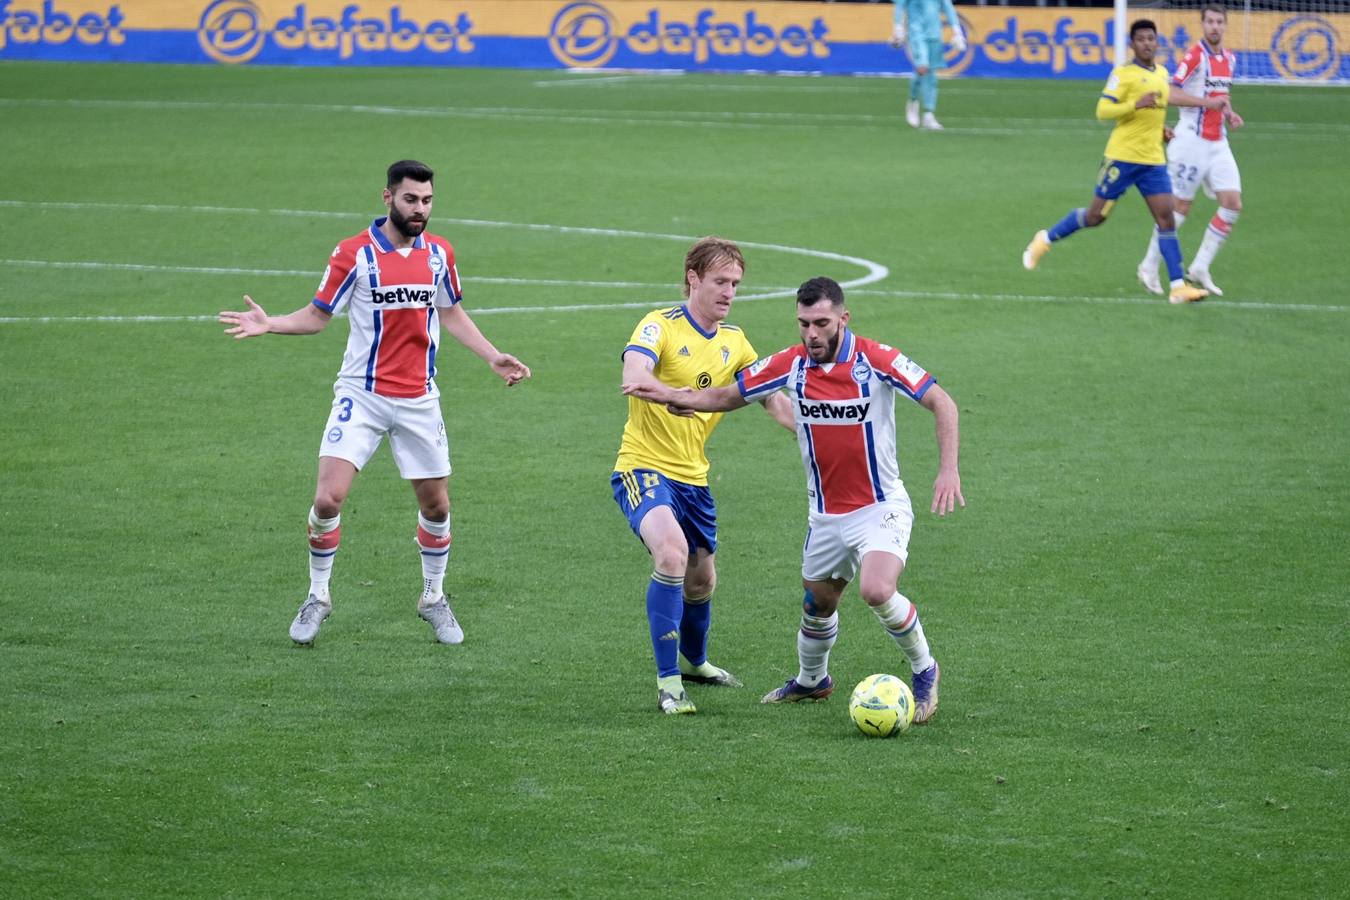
1141 614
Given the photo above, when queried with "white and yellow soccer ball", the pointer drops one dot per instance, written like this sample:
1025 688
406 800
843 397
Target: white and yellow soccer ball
881 706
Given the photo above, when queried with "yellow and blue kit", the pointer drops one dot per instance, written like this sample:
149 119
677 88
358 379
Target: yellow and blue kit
684 355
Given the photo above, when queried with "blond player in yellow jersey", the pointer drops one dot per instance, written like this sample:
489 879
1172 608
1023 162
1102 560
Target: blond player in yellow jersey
660 480
1136 97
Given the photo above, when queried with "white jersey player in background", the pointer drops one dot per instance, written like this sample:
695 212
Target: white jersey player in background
1198 153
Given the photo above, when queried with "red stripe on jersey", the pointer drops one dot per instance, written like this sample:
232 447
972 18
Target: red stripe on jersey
401 359
841 457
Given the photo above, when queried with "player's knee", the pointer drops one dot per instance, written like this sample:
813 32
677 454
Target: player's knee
436 510
1091 219
819 603
1233 203
876 591
700 587
671 557
327 504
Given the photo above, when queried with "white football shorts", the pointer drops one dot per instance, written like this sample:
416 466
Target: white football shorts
835 545
1193 161
360 420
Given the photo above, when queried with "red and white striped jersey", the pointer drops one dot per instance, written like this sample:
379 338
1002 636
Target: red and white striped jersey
391 297
1205 74
845 415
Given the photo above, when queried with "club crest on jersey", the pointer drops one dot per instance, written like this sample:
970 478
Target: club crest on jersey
434 264
861 372
650 333
726 356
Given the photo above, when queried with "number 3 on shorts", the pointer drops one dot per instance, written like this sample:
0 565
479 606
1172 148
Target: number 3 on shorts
346 414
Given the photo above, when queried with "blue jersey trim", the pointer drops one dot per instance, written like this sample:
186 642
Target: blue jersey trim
643 350
374 350
869 440
810 447
707 334
378 236
767 388
1112 99
431 347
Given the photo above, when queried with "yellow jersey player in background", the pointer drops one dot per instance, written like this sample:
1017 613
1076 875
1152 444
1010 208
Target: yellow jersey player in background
1136 97
660 480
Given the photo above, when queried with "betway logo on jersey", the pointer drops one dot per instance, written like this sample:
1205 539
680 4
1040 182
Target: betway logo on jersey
824 412
403 296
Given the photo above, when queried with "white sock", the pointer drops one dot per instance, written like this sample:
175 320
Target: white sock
433 539
1153 257
814 640
901 619
1219 228
324 535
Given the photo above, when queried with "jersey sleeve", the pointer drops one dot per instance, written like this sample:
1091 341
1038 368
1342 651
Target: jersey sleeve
1187 67
902 373
649 337
448 291
767 375
339 279
1115 100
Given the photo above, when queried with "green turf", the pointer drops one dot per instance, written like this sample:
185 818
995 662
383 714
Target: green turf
1141 615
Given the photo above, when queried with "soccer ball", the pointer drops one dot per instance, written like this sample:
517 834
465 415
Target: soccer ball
881 706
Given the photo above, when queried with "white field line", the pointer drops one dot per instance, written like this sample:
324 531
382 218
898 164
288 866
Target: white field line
873 271
857 286
1318 131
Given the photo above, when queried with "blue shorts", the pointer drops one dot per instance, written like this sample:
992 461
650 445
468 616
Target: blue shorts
640 491
1115 179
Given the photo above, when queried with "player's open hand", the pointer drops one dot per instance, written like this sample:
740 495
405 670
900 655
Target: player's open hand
1148 101
249 323
511 370
682 412
898 36
652 392
947 493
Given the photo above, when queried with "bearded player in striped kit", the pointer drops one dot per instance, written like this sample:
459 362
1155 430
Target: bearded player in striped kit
843 389
399 286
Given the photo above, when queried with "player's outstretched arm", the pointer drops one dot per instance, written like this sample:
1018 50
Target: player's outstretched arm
780 407
718 399
1178 97
947 485
255 321
456 321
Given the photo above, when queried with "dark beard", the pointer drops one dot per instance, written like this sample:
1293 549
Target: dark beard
405 228
833 348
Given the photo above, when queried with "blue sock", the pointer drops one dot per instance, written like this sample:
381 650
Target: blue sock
1171 253
665 594
1067 225
694 627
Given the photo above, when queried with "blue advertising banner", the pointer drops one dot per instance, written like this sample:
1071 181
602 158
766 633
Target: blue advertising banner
818 38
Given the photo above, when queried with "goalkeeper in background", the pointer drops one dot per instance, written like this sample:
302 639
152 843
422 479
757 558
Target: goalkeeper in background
919 23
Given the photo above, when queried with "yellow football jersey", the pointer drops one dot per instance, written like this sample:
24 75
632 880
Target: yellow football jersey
1137 137
685 356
